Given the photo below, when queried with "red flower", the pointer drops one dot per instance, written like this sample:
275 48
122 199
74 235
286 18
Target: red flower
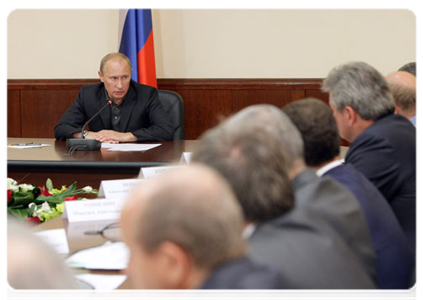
71 198
44 192
33 220
9 195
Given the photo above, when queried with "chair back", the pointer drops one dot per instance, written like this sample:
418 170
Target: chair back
173 104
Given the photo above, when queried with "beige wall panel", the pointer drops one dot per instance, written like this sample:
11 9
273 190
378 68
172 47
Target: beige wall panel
214 43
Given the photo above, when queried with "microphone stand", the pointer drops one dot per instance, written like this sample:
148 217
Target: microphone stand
82 143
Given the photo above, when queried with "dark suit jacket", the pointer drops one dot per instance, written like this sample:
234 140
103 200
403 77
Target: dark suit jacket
386 154
243 274
312 258
339 207
394 261
142 114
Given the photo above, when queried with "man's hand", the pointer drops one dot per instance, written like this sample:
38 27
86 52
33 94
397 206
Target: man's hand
111 136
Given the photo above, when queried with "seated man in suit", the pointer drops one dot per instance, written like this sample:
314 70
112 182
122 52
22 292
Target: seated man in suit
403 88
319 241
135 115
383 144
314 119
184 232
34 264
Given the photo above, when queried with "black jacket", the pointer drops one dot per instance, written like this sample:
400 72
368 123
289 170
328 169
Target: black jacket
142 114
386 154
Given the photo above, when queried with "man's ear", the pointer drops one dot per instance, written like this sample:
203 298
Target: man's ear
397 110
350 115
177 263
101 76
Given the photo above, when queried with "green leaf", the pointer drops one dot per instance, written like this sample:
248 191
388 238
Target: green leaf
23 198
49 184
50 199
18 213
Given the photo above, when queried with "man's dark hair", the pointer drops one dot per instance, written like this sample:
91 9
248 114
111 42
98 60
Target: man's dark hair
252 160
317 125
410 68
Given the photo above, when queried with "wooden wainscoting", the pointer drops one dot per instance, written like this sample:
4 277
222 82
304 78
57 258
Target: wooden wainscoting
35 106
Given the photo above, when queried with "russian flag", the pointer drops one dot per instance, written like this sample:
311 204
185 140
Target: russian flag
136 42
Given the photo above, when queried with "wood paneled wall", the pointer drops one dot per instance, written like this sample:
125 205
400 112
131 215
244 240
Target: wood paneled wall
35 106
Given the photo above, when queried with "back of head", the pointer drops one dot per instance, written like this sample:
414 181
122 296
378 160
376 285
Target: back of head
32 264
410 68
247 150
194 208
403 88
360 86
315 121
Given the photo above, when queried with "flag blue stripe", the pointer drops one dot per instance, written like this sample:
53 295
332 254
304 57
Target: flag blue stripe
136 30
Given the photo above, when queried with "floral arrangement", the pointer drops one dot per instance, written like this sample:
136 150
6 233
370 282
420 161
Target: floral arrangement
39 204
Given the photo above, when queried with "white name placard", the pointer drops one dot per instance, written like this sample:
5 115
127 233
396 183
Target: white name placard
116 188
56 238
155 171
186 158
93 210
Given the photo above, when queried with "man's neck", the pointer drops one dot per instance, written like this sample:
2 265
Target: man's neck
196 279
359 127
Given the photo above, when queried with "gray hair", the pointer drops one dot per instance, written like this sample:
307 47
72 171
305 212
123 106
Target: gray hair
277 124
410 68
195 208
360 86
247 150
33 270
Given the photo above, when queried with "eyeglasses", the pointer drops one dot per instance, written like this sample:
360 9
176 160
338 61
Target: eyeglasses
111 232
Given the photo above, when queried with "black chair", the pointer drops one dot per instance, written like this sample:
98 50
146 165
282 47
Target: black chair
174 106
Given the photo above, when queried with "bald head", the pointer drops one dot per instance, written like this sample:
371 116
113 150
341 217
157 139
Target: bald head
403 88
192 207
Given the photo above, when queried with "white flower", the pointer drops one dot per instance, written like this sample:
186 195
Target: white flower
34 213
12 184
26 187
44 208
87 189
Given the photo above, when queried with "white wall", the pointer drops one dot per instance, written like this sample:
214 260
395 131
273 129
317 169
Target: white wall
214 43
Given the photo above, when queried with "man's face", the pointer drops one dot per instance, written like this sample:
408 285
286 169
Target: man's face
116 77
341 122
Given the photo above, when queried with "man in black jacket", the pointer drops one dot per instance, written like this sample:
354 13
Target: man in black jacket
383 144
135 115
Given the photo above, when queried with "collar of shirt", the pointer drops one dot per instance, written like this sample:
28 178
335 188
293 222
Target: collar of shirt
416 121
248 231
320 172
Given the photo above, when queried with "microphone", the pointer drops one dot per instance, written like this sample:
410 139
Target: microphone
82 143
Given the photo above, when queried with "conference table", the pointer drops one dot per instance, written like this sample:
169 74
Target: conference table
35 165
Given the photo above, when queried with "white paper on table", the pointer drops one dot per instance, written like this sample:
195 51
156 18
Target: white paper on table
56 238
185 158
151 172
27 146
109 256
102 282
130 147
